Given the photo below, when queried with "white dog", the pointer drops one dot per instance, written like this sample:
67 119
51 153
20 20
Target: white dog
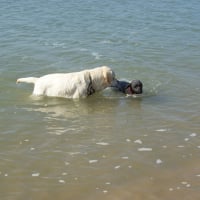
72 85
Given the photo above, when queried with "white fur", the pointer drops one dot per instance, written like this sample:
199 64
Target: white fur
71 85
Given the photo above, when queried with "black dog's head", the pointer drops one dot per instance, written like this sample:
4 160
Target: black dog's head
135 87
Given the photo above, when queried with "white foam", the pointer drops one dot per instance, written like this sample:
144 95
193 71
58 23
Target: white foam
198 175
74 153
145 149
35 174
161 130
58 44
125 157
193 135
186 139
128 140
61 181
138 141
93 161
102 143
184 182
188 185
67 163
159 161
117 167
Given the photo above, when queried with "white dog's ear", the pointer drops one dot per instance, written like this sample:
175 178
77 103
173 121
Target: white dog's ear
109 76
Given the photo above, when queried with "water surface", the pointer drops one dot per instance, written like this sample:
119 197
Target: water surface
107 146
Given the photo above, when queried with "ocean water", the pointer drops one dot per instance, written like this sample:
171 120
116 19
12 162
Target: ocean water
108 146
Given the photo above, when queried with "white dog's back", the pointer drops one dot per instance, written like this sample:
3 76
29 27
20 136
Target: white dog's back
71 85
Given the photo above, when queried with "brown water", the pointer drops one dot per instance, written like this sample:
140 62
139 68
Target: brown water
100 147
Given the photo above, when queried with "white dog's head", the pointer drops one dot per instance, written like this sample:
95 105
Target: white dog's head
101 77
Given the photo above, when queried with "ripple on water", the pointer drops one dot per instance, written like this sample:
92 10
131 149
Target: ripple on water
159 161
193 135
117 167
102 143
162 130
145 149
61 181
36 174
93 161
138 141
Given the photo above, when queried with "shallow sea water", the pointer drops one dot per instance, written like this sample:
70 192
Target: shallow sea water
108 146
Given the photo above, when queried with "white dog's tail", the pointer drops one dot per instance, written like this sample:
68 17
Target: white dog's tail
27 80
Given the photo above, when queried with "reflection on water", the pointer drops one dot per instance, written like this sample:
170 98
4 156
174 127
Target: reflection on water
108 146
100 147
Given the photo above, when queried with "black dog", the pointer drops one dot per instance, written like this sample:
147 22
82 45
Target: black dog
134 87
